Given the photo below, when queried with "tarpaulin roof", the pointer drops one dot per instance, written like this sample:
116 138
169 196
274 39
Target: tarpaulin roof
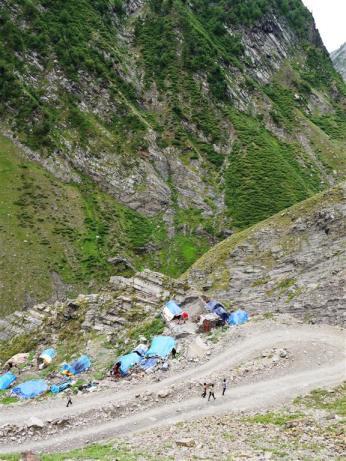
48 354
128 361
171 310
77 366
161 346
141 349
146 364
56 388
6 380
31 389
238 317
173 307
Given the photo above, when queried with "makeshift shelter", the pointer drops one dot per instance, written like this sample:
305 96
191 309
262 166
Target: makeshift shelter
46 357
56 388
126 362
77 366
18 359
238 317
141 349
7 380
171 310
31 389
219 309
161 346
148 364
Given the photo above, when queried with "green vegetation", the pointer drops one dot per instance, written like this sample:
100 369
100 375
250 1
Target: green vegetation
72 90
334 400
97 452
260 168
278 419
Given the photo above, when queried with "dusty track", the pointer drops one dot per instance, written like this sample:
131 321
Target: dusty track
260 395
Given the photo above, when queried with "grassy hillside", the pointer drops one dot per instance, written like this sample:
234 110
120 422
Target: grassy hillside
57 238
177 133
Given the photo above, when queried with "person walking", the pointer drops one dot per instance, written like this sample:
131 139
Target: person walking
69 398
224 386
211 392
205 389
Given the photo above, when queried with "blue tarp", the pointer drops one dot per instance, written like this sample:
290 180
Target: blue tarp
56 388
218 309
238 317
77 366
128 361
141 349
173 307
146 364
49 354
31 389
161 346
6 380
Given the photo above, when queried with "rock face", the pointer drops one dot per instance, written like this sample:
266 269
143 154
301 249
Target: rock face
191 133
294 262
339 60
123 301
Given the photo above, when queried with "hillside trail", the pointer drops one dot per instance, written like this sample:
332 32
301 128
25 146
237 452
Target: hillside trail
258 395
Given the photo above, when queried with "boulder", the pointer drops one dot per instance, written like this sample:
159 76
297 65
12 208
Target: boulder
186 442
35 423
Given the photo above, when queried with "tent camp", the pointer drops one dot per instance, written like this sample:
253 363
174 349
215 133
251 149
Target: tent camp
56 388
171 310
161 346
31 389
46 357
7 380
77 366
238 317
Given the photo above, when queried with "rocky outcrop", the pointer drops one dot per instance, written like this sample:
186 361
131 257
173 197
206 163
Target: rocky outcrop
294 262
339 60
122 302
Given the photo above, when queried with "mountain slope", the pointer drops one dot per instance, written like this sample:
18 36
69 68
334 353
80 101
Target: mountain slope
293 262
194 119
339 60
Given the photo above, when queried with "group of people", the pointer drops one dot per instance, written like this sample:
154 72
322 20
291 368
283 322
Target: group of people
211 388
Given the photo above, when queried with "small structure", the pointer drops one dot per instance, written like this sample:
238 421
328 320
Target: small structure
31 389
77 366
238 317
161 347
46 358
7 380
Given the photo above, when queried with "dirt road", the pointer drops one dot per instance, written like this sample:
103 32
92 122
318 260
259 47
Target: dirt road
255 396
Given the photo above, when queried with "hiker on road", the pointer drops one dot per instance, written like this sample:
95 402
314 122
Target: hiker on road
205 389
211 392
69 398
224 386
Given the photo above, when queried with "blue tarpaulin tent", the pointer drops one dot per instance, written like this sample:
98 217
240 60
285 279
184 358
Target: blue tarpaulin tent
238 317
6 380
217 308
146 364
56 388
77 366
48 354
161 346
171 310
128 361
31 389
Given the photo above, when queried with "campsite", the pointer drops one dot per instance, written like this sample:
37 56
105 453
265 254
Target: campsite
154 354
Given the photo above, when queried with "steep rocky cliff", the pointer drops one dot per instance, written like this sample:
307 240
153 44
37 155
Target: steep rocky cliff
164 125
293 262
339 60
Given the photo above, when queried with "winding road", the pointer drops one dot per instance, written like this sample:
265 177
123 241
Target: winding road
259 395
